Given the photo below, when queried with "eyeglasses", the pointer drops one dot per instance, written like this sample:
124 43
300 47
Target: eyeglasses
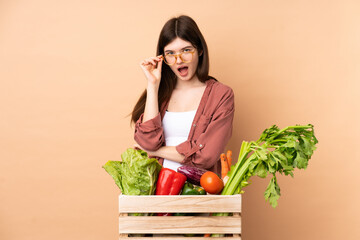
186 56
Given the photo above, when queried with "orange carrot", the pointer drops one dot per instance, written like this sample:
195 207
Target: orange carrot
224 165
229 158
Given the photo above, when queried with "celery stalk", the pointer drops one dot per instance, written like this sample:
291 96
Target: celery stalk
276 151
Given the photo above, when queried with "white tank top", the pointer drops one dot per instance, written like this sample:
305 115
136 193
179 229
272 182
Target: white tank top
176 127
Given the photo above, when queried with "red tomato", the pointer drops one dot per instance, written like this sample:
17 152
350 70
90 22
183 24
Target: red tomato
211 182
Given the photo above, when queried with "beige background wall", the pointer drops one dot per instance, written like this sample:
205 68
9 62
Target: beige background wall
69 76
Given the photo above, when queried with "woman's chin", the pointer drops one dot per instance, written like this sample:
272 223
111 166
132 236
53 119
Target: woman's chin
188 77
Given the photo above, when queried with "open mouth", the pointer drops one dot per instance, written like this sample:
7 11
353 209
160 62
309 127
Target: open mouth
183 71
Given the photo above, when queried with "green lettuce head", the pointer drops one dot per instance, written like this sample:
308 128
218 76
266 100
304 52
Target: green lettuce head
136 174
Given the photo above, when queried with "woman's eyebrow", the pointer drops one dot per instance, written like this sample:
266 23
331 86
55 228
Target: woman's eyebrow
180 49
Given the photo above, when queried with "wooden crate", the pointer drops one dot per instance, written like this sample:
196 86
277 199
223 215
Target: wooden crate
230 225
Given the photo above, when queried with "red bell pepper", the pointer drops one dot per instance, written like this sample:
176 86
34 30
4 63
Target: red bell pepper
169 183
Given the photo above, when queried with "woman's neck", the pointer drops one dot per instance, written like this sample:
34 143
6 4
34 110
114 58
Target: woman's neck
194 82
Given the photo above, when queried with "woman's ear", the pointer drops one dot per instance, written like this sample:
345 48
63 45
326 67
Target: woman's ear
200 52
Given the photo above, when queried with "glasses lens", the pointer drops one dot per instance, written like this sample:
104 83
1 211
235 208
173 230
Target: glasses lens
169 59
186 57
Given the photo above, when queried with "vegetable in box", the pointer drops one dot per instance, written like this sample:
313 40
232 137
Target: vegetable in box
136 174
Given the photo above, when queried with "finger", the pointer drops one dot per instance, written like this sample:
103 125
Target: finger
144 63
159 65
147 61
157 59
144 66
152 60
137 146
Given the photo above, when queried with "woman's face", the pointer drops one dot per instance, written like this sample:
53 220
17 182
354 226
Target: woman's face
184 70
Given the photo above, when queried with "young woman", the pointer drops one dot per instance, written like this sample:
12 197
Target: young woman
184 117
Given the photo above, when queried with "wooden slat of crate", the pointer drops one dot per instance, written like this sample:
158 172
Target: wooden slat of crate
180 224
237 215
179 203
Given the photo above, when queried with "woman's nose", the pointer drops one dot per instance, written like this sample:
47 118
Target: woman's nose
178 59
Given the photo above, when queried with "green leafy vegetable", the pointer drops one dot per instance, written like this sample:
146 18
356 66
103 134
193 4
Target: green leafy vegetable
276 151
136 174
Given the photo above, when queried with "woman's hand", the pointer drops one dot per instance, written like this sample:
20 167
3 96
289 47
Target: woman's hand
150 153
168 152
152 69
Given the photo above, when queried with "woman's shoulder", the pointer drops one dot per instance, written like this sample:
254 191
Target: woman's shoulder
219 98
220 88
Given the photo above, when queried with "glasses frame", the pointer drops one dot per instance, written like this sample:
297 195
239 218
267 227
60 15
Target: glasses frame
180 56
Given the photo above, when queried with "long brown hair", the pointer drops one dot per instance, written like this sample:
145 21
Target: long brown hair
185 28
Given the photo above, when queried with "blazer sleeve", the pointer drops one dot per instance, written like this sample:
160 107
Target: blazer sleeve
204 152
149 134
